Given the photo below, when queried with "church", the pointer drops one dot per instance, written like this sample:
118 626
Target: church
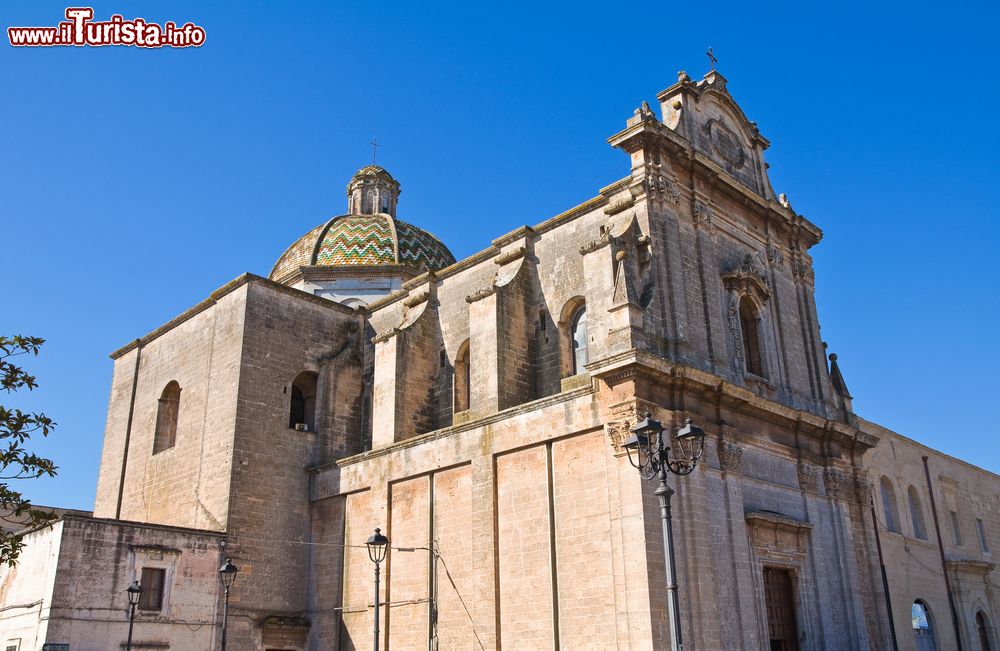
479 413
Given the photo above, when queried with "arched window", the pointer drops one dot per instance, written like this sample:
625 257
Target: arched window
889 507
917 514
578 334
462 378
750 328
166 417
923 627
984 632
302 413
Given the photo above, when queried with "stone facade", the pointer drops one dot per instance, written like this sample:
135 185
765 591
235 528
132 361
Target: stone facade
942 503
456 414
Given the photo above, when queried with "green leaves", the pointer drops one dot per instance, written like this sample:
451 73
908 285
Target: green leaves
16 461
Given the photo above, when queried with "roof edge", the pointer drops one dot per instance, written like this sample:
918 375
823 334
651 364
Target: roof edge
214 297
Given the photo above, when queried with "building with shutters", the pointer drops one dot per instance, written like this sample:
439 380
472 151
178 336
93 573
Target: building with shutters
475 411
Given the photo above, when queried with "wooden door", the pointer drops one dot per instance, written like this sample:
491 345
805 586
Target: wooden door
780 602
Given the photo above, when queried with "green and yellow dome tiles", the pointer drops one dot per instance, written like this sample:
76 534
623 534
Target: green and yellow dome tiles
369 235
364 240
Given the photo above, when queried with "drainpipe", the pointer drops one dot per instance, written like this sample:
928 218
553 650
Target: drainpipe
128 428
885 577
944 565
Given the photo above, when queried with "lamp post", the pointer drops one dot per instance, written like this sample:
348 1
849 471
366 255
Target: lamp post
651 456
377 546
134 591
227 574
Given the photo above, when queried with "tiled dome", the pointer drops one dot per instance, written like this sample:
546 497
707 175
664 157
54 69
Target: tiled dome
377 239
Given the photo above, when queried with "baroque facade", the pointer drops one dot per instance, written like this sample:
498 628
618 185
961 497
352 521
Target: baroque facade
476 410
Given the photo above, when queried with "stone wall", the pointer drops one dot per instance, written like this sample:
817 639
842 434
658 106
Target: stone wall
913 564
286 333
78 570
186 485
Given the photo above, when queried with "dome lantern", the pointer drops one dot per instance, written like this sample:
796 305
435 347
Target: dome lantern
372 191
365 254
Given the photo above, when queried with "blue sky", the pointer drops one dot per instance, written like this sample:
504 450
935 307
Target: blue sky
135 182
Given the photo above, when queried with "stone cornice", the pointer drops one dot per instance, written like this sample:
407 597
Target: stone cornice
489 419
970 565
228 288
331 272
497 244
636 363
776 521
111 522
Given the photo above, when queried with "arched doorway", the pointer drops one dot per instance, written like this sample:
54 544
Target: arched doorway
983 629
923 627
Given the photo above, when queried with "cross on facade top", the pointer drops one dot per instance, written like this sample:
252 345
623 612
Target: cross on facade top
711 57
374 144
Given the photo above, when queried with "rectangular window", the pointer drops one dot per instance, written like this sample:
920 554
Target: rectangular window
981 530
152 588
956 529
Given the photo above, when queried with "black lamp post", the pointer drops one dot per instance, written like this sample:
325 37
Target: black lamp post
134 591
377 546
227 573
648 453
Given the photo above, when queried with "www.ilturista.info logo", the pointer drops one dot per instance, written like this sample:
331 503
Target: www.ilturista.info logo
79 30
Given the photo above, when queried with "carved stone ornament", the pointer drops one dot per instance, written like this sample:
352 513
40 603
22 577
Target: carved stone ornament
619 206
386 336
773 533
663 187
862 490
775 257
703 217
618 428
808 477
747 276
839 484
725 143
510 256
600 242
416 299
731 457
801 269
480 294
735 329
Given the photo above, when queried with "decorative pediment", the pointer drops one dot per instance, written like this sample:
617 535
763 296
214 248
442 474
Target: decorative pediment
777 534
973 566
747 277
707 115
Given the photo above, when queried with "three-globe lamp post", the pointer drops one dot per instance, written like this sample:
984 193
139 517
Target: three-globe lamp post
227 574
650 454
377 546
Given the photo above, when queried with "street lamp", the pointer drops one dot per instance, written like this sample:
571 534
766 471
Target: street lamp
377 546
648 453
134 591
227 574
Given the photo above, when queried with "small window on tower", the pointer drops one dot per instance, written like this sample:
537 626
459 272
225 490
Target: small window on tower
302 412
580 351
984 546
462 378
167 411
956 528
